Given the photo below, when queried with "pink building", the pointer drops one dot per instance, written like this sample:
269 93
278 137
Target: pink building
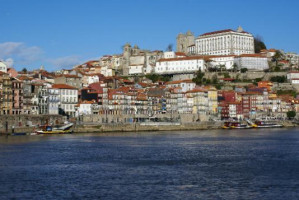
17 98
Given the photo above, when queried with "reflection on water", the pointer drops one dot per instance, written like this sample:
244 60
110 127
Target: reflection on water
213 164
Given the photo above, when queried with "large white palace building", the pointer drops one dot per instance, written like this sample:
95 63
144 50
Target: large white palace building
225 42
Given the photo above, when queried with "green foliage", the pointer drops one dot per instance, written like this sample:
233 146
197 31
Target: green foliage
199 77
259 44
277 69
218 86
291 114
243 70
24 70
278 79
156 77
208 81
214 79
235 67
287 92
257 79
169 47
226 75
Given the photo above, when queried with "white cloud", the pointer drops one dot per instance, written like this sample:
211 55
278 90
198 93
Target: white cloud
67 61
19 52
9 62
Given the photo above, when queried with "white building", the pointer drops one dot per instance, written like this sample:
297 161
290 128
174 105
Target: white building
84 108
180 65
3 67
185 85
225 42
106 71
68 97
135 69
252 62
53 101
224 60
293 75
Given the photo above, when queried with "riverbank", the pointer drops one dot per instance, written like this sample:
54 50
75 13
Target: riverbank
138 127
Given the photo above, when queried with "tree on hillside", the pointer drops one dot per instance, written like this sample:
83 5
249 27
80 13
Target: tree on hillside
24 70
291 114
278 79
259 44
199 77
169 47
277 57
243 70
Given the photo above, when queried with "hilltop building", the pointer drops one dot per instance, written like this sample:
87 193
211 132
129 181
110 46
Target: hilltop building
225 42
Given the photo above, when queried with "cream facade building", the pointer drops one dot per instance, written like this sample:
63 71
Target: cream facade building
225 42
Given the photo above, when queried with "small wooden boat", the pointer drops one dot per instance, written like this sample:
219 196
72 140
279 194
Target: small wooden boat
47 129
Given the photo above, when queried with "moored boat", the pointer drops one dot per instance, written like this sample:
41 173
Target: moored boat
47 129
235 125
267 124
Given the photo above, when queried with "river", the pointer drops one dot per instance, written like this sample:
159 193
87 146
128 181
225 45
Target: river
210 164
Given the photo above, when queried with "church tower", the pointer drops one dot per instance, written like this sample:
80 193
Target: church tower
183 41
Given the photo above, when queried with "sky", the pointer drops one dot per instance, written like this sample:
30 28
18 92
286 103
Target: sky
62 33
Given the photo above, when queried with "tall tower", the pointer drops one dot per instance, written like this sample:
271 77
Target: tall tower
183 41
127 50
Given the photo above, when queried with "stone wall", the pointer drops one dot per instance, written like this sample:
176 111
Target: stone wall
20 121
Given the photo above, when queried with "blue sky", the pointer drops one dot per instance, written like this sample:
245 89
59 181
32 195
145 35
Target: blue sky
62 33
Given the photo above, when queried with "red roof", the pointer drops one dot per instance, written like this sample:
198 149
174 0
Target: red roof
177 82
252 55
217 32
63 86
221 31
180 54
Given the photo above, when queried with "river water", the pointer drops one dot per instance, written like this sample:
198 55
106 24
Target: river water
213 164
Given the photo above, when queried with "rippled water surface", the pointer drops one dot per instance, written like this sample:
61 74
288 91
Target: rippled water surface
218 164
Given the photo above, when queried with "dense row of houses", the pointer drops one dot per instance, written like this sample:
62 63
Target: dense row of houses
66 94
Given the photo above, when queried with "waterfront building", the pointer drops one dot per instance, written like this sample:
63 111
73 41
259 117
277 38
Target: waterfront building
6 94
53 101
84 108
68 96
17 97
225 42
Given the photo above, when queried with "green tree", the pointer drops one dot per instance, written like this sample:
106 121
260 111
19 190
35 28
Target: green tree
235 67
199 76
291 114
278 79
214 79
152 77
226 75
24 70
243 70
259 44
169 47
277 57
